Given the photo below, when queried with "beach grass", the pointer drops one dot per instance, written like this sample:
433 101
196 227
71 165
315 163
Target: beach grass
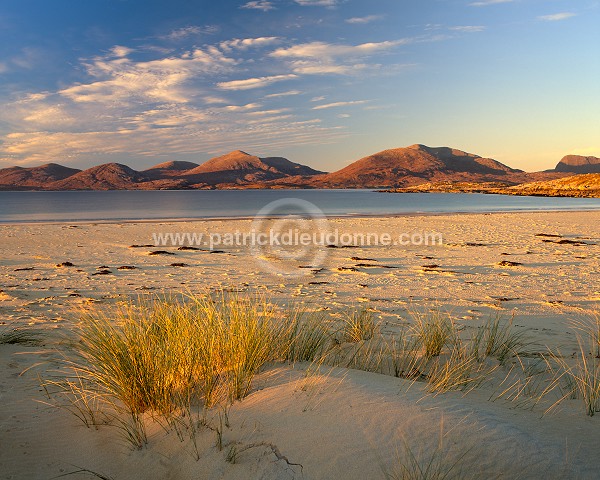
167 356
172 359
435 330
498 338
580 377
358 325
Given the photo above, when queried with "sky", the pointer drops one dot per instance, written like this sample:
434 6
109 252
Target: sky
321 82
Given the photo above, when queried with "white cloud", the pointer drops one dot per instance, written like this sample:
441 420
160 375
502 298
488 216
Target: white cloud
164 106
318 58
257 82
317 99
468 28
331 50
284 94
484 3
120 51
339 104
241 108
269 112
317 68
363 20
556 17
263 5
49 116
343 115
123 80
268 119
245 43
212 99
168 116
317 3
190 31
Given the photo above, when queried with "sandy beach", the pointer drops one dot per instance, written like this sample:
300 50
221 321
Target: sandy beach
542 270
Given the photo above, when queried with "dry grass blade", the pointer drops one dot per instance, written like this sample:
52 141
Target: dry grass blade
359 325
497 338
435 331
460 371
308 337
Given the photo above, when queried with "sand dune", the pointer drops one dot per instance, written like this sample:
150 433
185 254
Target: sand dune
543 268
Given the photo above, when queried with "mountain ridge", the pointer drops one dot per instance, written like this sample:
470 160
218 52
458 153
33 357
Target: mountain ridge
401 167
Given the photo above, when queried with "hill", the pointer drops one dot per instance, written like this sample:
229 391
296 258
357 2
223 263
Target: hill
420 164
238 168
33 177
168 169
578 164
584 185
109 176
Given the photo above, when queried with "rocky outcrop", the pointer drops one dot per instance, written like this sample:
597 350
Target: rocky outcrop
578 164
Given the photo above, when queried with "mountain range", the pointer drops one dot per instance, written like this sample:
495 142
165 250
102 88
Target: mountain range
393 168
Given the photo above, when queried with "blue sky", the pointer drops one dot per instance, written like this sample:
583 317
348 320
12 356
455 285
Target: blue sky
322 82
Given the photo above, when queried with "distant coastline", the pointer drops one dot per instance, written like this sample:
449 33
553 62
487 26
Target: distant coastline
414 167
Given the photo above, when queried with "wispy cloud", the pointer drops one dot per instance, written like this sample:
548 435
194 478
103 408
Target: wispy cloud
330 50
124 80
318 58
312 68
120 51
284 94
484 3
159 100
468 28
214 100
276 111
256 82
340 104
317 3
189 31
156 108
263 5
27 58
367 19
556 17
245 43
242 108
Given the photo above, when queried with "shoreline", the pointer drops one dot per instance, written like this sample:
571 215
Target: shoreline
328 217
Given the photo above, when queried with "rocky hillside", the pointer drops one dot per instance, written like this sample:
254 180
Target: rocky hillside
238 168
109 176
168 169
578 164
585 185
401 167
19 178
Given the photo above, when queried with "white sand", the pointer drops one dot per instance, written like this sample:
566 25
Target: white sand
348 424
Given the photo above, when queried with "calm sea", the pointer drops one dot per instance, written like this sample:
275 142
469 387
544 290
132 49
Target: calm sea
148 205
